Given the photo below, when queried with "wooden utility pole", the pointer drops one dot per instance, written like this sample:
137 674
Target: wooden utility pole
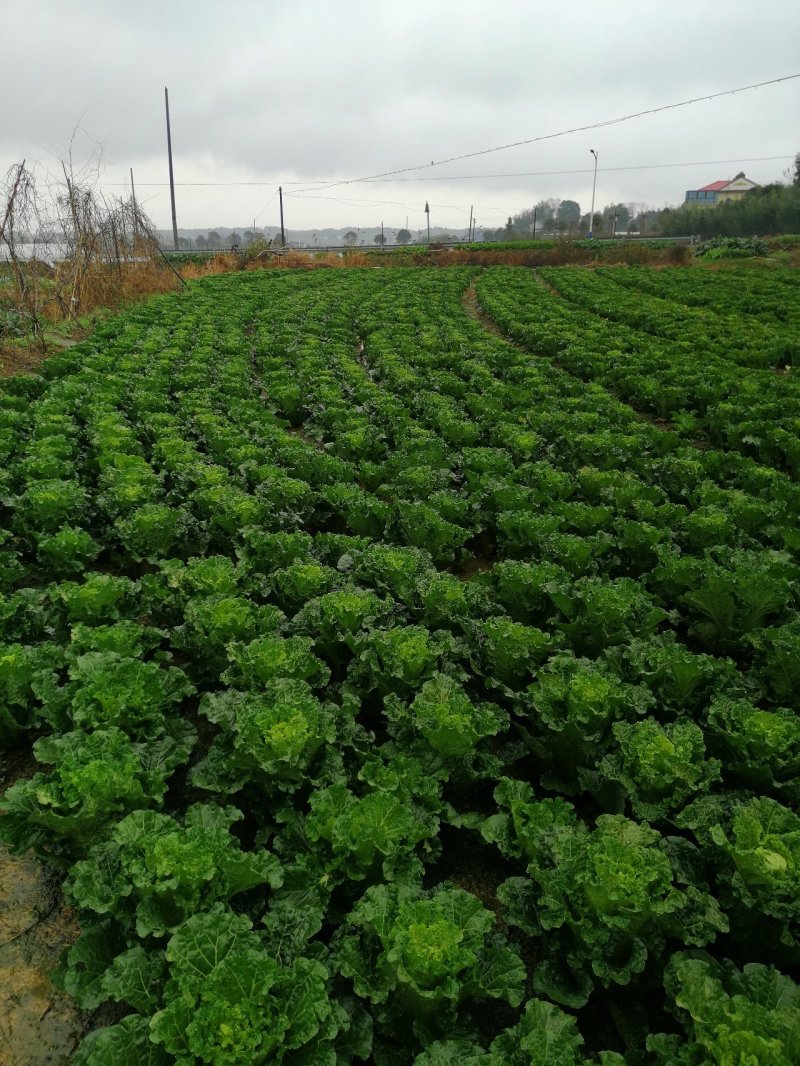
283 231
428 213
534 223
469 238
133 198
382 236
171 176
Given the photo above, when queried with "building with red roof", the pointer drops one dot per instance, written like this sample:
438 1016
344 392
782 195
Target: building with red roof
719 191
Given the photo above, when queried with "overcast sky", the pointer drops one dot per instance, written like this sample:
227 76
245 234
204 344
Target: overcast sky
311 92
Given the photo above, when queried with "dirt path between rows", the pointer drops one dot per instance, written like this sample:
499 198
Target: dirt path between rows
38 1024
469 301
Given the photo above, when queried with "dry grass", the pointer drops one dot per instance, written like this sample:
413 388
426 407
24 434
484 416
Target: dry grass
16 359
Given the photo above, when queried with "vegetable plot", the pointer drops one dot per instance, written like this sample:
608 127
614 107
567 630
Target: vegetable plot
400 694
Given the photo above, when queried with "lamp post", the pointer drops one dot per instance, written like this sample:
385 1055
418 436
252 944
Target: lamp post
594 185
428 213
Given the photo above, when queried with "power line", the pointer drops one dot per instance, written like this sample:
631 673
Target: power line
264 208
454 177
561 133
585 170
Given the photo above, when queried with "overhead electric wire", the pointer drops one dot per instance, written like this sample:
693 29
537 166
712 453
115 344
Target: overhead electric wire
309 188
560 133
264 208
582 170
455 177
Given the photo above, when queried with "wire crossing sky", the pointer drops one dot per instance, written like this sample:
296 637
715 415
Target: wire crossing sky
329 100
561 133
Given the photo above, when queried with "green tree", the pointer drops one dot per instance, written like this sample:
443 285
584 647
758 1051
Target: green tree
350 237
567 213
214 239
380 238
200 241
234 238
403 236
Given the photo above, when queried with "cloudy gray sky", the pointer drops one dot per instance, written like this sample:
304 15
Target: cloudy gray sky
309 93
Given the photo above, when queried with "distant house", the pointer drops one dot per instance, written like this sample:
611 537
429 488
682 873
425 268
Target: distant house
719 191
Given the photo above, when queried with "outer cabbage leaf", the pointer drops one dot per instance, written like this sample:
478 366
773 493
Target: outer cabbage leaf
761 747
613 888
126 1044
113 690
456 1053
28 674
400 659
444 715
734 1016
600 614
544 1036
270 657
507 653
158 872
272 736
573 703
427 951
758 844
95 778
135 977
229 1002
659 767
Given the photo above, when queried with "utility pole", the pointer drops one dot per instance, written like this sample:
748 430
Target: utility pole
171 176
382 236
470 222
283 231
534 223
428 213
133 197
594 185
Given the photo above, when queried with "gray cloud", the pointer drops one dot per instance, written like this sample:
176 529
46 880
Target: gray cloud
309 90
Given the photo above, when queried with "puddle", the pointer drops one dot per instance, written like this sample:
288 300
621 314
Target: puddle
37 1023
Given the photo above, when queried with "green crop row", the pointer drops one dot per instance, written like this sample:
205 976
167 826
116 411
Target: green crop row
399 697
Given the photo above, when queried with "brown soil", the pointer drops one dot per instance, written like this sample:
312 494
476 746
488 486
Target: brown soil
469 301
38 1024
14 360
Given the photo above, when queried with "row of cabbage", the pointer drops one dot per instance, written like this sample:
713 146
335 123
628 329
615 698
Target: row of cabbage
398 696
769 296
713 388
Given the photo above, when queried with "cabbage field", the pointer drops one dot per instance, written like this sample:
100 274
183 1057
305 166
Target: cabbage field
411 659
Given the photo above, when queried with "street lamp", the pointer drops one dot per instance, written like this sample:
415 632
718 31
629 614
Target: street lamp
428 213
594 184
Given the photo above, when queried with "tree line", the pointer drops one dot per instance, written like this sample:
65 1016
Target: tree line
765 211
